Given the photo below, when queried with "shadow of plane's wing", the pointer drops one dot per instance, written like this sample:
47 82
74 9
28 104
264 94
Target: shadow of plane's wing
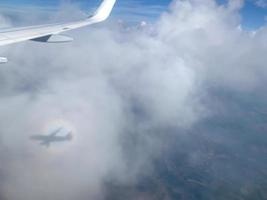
54 133
46 144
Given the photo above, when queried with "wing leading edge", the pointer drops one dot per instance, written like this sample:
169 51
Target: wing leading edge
50 32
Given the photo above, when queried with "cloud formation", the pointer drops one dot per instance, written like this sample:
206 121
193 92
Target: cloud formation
114 84
261 3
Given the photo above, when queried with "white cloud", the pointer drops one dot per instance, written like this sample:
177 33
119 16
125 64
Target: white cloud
110 82
261 3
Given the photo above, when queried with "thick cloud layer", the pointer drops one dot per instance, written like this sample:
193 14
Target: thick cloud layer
123 91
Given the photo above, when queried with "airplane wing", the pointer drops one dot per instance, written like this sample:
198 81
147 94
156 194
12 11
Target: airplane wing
51 32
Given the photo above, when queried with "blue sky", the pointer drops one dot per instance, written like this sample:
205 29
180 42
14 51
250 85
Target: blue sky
253 13
81 2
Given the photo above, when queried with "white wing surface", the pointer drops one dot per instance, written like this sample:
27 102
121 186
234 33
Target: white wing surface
51 32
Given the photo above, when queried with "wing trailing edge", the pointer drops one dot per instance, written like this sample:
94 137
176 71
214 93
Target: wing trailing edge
58 38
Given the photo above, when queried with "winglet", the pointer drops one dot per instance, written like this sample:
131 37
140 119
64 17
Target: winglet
104 10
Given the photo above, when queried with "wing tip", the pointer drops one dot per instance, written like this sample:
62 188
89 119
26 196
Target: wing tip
104 10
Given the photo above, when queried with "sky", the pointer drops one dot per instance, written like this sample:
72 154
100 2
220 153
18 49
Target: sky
253 12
